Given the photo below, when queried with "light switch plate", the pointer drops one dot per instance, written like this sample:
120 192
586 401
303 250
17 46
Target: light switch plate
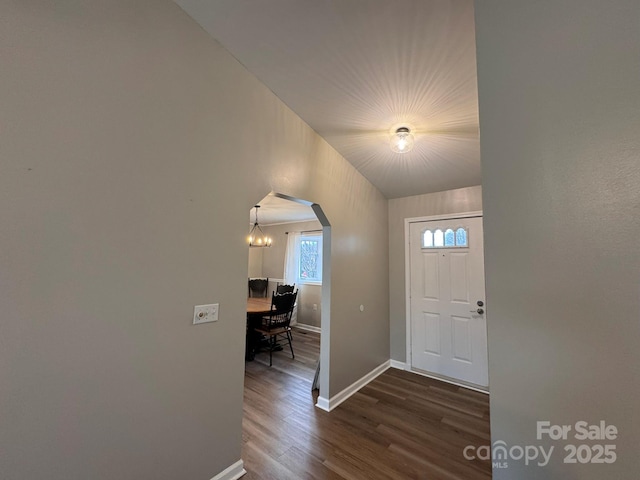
205 313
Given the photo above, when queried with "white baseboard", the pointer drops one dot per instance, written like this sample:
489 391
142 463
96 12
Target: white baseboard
309 328
323 404
331 403
233 472
398 365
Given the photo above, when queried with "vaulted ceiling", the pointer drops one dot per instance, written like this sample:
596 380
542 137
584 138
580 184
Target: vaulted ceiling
356 70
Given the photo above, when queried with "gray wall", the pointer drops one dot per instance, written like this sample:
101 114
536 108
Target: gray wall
559 85
133 147
255 263
272 266
440 203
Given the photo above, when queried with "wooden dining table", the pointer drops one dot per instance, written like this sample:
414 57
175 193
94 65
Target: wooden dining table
257 307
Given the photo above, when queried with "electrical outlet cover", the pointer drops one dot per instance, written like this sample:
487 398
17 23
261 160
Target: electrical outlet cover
205 313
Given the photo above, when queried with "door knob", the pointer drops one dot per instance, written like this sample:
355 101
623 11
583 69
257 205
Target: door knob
479 311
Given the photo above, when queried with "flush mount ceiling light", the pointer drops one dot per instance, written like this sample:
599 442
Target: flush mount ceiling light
402 140
257 238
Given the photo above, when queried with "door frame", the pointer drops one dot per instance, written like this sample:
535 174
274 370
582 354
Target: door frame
407 288
325 302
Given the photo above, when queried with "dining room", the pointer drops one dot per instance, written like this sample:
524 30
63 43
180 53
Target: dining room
285 255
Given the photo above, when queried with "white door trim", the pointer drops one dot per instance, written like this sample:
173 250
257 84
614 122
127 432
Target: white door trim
407 269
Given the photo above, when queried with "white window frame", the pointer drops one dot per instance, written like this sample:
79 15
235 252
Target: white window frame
301 238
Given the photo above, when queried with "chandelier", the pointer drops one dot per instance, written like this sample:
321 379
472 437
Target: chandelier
257 238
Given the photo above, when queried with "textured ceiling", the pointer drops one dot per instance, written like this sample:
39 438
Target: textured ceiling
354 70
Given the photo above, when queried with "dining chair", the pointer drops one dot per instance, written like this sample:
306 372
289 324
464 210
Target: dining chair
285 288
277 323
258 287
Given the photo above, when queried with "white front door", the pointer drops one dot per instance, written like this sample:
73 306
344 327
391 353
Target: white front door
448 326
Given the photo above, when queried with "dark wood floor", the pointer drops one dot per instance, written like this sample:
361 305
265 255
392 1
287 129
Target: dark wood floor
400 426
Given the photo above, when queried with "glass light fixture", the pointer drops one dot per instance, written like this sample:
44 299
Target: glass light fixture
402 140
257 238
